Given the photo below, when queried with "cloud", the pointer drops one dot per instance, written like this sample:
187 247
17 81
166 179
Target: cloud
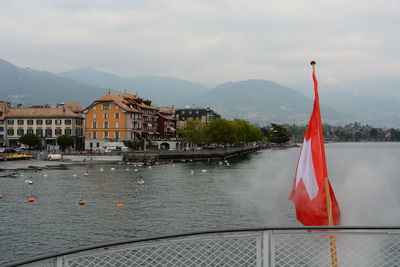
205 41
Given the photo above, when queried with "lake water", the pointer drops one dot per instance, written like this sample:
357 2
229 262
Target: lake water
250 192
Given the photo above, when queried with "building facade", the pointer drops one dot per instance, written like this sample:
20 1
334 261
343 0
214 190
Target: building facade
46 122
4 107
116 118
166 123
206 115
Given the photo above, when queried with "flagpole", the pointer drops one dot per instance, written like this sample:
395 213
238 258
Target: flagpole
332 240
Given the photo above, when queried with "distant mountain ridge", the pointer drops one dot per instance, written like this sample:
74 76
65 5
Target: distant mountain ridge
258 101
262 102
161 90
28 86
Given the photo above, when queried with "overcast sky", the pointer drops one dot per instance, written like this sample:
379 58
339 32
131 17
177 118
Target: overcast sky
206 41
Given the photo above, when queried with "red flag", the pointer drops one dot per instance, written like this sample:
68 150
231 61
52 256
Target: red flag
309 189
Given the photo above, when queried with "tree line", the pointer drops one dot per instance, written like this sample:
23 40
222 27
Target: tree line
352 132
220 131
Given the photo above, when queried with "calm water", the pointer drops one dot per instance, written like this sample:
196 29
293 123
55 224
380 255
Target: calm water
250 192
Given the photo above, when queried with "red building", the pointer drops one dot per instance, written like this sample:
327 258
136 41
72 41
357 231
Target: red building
166 123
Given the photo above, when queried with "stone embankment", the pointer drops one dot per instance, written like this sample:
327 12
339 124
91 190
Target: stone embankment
194 155
31 164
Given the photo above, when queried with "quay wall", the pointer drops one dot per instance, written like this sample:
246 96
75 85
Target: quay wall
200 155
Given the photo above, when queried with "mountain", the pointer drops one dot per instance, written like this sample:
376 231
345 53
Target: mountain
163 91
263 102
28 87
371 101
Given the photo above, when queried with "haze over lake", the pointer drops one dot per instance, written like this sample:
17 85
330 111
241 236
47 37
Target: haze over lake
250 192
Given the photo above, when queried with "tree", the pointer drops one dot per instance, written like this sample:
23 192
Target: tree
65 141
193 132
31 140
279 134
221 131
134 144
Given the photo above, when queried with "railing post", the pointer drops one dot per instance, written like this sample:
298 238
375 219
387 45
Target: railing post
266 248
59 262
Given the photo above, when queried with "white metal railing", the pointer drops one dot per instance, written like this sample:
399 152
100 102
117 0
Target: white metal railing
272 247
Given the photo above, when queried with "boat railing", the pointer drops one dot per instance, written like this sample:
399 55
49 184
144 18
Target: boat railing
259 247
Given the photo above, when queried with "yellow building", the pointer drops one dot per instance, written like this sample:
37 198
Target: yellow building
46 122
121 117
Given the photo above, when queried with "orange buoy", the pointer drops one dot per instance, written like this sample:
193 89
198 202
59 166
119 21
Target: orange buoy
1 196
120 205
82 202
31 200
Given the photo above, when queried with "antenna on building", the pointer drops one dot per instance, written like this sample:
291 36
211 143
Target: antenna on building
125 90
109 91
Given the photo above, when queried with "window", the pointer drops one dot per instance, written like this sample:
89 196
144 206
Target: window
58 131
116 135
29 122
10 122
94 115
1 122
105 134
39 122
94 135
20 132
1 136
48 132
94 125
117 124
39 132
68 122
29 131
49 122
94 107
197 112
116 115
106 106
105 125
58 122
1 129
190 112
67 131
91 144
97 144
105 115
20 122
10 132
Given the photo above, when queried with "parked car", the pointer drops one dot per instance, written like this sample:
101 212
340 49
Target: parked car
10 150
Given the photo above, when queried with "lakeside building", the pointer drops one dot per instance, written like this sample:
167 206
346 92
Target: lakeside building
206 115
4 106
46 122
166 123
120 117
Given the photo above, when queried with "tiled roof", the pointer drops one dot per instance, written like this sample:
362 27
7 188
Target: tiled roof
41 113
125 100
166 117
119 100
75 107
167 110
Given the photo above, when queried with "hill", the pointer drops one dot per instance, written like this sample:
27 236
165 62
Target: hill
162 91
28 86
261 101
